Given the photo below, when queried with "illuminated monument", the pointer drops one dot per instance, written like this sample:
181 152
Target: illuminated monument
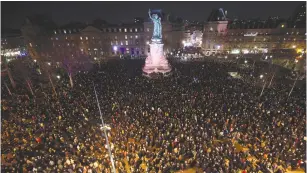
156 61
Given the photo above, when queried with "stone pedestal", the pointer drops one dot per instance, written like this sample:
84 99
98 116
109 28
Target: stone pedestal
156 61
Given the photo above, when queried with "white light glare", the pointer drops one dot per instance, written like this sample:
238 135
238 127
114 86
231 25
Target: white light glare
58 76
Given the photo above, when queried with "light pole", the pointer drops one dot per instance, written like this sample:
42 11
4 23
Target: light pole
261 76
293 86
105 132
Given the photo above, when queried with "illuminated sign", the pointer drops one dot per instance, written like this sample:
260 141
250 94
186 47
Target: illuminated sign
251 34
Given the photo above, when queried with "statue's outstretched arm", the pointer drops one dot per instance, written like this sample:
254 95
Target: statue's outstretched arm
149 14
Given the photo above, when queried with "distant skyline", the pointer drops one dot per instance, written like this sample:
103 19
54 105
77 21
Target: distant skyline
14 13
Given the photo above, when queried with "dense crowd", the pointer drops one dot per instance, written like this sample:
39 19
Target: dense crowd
199 117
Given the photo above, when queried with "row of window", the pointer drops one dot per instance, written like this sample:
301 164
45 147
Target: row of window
122 29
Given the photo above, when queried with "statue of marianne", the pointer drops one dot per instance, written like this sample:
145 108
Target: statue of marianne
157 32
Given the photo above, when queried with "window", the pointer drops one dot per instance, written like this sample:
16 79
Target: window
130 29
147 29
115 37
86 38
125 29
120 30
126 37
67 44
64 31
30 44
126 42
111 43
121 43
57 38
65 38
80 38
54 32
82 50
93 38
136 30
136 36
116 42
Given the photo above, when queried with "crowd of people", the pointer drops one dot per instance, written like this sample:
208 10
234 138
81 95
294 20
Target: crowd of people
198 117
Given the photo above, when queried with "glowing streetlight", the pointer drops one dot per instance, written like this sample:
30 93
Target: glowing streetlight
95 58
245 61
59 77
296 61
261 76
49 63
266 57
115 48
35 60
225 57
294 46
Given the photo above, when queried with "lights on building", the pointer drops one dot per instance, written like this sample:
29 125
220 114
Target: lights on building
126 37
125 29
136 36
218 46
136 30
266 57
80 38
255 47
225 57
95 58
115 48
126 42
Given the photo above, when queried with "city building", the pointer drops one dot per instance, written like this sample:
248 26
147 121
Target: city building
274 35
51 43
12 44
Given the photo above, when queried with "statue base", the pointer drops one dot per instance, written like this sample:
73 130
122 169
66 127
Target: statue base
156 61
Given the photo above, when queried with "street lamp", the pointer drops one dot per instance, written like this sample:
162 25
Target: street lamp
261 76
293 46
59 77
49 63
296 61
35 60
245 61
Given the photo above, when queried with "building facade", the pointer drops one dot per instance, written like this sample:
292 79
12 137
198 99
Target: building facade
51 43
275 35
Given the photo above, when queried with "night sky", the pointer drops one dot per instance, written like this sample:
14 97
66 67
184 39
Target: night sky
14 13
